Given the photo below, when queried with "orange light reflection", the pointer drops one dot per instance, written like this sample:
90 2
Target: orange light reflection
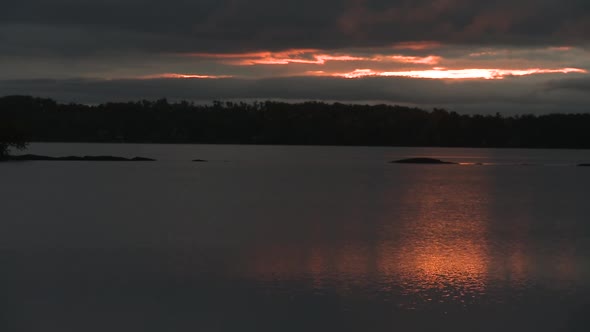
434 240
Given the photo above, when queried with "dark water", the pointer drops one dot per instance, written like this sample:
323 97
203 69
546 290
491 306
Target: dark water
295 239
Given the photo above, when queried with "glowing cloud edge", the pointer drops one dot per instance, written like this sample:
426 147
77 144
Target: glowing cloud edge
183 76
443 73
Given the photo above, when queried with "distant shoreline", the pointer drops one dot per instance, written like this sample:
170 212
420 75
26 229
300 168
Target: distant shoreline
276 123
310 145
34 157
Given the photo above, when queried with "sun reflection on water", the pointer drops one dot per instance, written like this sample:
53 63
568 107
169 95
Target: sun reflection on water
443 253
433 244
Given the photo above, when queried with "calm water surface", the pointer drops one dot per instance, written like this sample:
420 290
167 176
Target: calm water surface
295 239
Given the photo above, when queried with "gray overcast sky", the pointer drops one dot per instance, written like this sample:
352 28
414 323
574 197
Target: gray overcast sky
470 56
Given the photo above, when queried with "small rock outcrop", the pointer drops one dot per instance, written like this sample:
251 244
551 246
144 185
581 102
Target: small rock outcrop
142 159
430 161
584 165
199 161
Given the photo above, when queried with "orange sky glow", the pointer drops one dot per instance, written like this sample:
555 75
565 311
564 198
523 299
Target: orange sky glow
442 73
309 56
435 73
416 46
407 59
186 76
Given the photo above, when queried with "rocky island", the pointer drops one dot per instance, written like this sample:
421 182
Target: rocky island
430 161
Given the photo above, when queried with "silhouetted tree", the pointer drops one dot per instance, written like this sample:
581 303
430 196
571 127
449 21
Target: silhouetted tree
10 137
272 122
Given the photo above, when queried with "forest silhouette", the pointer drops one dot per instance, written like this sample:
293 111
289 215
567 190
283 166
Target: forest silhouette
25 118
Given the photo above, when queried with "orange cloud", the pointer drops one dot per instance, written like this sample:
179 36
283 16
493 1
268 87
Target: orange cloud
442 73
185 76
302 56
487 53
264 58
561 48
416 46
309 56
428 60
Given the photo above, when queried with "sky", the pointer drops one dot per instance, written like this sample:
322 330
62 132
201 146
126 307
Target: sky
507 56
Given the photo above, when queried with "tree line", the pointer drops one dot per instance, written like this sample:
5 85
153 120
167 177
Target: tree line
270 122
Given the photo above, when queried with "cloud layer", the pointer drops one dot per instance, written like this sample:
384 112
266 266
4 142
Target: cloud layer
77 27
95 51
513 95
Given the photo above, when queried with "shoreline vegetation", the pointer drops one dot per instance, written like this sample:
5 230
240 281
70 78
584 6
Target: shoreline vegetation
33 157
25 119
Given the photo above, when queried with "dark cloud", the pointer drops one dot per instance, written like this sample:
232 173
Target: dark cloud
118 39
520 95
573 84
79 27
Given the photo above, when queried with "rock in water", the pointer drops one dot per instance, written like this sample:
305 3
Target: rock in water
142 159
422 161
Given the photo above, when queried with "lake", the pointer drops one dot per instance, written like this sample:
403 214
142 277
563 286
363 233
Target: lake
277 238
